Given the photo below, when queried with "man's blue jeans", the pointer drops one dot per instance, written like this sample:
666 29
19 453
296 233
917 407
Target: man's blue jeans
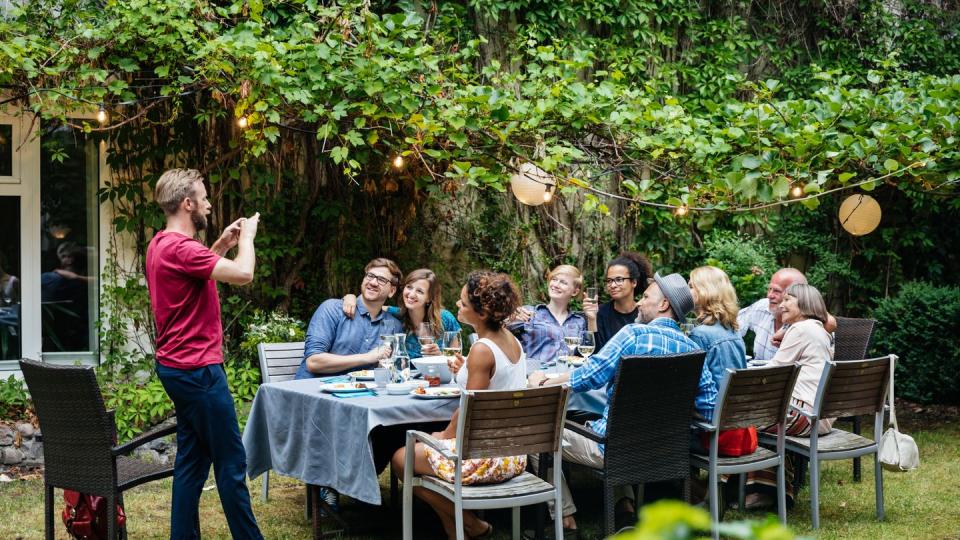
207 433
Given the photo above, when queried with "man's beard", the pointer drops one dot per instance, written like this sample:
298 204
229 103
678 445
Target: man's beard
199 220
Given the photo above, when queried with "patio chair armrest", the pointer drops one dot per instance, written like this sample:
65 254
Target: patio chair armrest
433 443
167 427
581 429
812 417
703 426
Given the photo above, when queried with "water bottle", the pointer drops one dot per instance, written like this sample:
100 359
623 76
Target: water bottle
401 360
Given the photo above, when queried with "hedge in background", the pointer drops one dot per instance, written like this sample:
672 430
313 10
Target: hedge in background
922 325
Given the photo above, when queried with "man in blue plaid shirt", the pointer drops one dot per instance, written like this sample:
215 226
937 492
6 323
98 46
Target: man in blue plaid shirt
665 302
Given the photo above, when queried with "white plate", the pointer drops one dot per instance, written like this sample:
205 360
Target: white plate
362 375
441 392
346 387
575 361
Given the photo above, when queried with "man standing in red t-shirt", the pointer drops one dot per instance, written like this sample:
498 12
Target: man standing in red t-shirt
181 276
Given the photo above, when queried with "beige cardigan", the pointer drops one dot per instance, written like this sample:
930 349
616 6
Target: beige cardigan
805 343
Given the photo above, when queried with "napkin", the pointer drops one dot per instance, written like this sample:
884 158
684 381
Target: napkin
368 393
335 379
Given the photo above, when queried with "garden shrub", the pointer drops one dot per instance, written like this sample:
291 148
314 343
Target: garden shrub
746 259
921 325
14 403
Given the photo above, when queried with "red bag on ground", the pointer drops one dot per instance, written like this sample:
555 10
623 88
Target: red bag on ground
86 515
733 442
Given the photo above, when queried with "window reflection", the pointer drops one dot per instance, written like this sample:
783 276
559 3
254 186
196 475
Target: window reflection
10 332
6 150
68 243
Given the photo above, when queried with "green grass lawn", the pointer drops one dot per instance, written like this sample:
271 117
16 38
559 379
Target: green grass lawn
921 504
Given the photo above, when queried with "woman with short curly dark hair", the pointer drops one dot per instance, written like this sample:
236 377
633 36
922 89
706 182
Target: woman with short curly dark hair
496 362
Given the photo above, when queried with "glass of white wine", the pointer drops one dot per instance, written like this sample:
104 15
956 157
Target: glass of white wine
587 344
451 343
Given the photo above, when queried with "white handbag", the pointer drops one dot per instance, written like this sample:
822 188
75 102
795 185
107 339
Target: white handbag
898 452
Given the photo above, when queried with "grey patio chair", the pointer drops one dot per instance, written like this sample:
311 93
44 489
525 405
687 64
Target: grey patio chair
850 388
279 362
748 397
79 452
648 425
495 424
852 340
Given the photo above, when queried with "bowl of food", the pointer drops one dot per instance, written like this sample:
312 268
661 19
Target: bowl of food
434 366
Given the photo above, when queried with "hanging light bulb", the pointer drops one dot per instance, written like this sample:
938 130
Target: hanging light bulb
102 115
398 162
548 194
242 122
796 191
531 185
681 211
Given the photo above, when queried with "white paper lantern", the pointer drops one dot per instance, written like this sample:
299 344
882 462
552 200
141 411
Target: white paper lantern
531 185
859 214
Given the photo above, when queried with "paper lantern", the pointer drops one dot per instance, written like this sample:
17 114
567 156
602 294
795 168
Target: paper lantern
859 214
532 185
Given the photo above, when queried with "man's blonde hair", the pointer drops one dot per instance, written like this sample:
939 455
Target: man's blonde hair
174 186
715 297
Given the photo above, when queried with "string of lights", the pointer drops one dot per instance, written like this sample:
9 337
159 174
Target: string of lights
549 183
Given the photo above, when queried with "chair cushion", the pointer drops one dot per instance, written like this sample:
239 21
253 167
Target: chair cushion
525 484
837 440
703 462
133 472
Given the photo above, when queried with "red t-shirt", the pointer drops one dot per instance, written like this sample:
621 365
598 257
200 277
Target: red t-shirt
185 301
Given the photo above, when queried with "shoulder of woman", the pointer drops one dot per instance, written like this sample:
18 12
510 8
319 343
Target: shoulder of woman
449 320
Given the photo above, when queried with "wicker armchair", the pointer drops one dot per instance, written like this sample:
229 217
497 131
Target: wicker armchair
648 424
852 340
78 440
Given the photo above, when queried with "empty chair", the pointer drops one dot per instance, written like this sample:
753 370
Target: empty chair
278 362
852 340
848 388
495 423
78 440
748 397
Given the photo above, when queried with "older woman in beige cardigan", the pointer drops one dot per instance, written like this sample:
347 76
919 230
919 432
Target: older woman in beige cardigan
808 345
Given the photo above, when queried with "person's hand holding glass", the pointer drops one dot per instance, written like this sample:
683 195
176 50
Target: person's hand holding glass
427 339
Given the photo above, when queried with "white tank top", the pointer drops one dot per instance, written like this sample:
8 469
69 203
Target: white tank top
507 375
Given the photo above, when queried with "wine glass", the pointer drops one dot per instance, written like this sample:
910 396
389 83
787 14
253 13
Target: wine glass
587 344
451 343
571 338
425 334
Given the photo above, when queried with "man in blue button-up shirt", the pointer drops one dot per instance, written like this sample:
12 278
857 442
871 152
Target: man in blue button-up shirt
666 301
336 344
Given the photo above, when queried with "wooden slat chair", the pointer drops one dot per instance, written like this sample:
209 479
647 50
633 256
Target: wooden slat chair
849 388
748 397
495 424
852 340
278 362
648 425
79 451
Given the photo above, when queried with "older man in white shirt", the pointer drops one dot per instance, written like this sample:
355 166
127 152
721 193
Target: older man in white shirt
763 316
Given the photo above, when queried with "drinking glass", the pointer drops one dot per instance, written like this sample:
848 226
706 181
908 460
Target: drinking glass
425 334
401 360
591 293
389 341
587 344
381 376
452 343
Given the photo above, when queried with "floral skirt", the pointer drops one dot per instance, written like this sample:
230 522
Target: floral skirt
475 471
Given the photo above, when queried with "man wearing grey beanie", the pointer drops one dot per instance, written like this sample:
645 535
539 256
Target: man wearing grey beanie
664 303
